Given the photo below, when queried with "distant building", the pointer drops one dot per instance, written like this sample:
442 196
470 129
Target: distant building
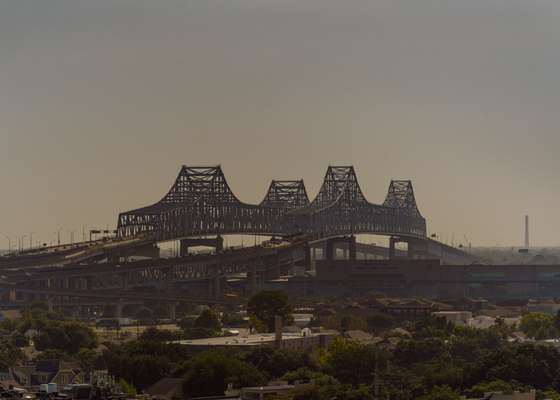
62 373
545 306
460 318
532 395
304 341
430 279
265 392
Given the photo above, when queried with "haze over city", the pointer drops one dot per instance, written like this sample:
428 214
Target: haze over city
103 101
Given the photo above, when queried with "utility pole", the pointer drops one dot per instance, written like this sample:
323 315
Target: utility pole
9 244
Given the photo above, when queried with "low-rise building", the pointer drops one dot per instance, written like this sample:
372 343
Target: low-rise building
62 373
307 340
460 318
532 395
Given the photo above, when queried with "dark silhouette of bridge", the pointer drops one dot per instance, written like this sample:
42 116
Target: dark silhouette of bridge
202 203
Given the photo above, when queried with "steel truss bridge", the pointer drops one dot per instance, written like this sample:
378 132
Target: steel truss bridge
201 203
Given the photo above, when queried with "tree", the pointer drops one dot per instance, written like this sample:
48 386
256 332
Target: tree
87 359
208 319
160 335
266 305
493 386
233 320
209 373
351 362
127 388
327 388
206 325
538 325
187 322
66 336
551 394
10 355
441 393
557 321
277 362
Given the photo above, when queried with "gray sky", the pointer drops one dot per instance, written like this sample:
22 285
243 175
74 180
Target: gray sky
101 102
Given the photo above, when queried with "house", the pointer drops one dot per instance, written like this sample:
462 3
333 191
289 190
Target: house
532 395
99 374
7 380
47 371
460 318
265 392
166 389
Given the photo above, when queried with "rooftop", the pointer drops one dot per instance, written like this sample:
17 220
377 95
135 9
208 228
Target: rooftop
247 340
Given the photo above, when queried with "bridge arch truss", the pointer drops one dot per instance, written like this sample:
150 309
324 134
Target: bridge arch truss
201 202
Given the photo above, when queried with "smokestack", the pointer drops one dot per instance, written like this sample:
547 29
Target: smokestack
527 232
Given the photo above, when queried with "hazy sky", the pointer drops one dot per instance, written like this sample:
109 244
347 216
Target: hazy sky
102 101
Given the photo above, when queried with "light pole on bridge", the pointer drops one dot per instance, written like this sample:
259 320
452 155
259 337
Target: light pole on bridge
21 241
9 244
71 232
58 235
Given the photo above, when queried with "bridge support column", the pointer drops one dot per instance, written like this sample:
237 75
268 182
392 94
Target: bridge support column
330 250
252 277
119 309
50 303
416 248
352 248
173 311
217 243
349 249
307 258
124 280
215 285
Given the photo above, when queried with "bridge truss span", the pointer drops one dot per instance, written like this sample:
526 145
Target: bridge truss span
202 203
340 208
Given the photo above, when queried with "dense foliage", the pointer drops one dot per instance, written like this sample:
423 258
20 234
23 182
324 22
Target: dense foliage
265 306
435 360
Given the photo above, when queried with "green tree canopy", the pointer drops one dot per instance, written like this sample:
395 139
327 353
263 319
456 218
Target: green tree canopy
277 362
441 393
538 325
266 305
351 362
208 319
209 373
66 336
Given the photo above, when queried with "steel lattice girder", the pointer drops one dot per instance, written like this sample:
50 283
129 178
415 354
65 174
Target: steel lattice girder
202 203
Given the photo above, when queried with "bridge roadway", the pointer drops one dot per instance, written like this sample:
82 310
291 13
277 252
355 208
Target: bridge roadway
200 267
112 296
259 263
82 252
